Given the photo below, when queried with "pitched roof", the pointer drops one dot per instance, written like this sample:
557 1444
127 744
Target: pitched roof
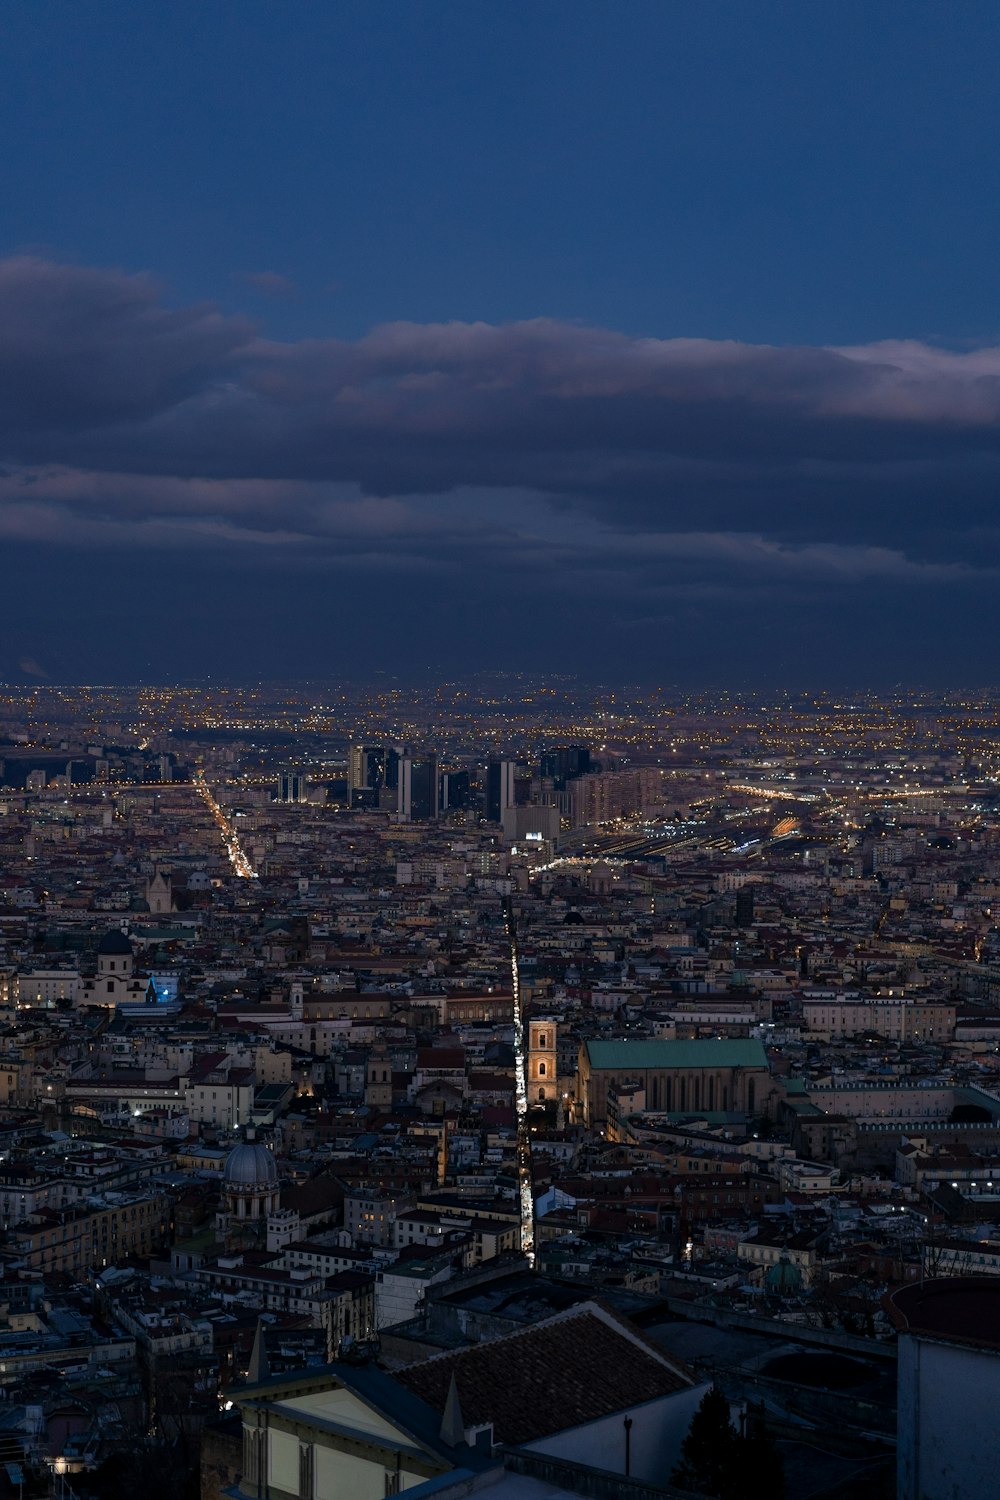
450 1058
380 1391
736 1052
540 1381
313 1196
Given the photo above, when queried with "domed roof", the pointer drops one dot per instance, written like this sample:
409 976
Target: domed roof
115 944
783 1277
250 1165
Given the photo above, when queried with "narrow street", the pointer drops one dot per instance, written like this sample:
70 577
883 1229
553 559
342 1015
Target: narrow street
525 1181
237 858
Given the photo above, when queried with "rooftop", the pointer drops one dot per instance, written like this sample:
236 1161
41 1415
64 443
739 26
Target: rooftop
738 1052
540 1381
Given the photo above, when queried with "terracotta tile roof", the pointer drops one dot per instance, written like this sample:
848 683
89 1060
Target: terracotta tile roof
557 1375
492 1082
451 1058
314 1196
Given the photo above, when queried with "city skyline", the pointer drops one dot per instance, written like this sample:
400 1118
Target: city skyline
332 1014
657 346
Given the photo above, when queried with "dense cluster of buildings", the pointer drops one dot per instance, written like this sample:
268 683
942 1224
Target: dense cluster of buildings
367 1096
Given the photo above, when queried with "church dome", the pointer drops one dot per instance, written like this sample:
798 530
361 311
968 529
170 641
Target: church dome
783 1277
250 1165
115 944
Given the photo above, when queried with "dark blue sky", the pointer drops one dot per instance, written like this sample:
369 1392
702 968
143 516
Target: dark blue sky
690 369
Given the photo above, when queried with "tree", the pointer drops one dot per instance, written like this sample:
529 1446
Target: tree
717 1461
708 1453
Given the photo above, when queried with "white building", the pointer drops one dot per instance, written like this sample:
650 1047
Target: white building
948 1440
473 1420
46 986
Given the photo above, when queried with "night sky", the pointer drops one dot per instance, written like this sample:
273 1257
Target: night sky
656 342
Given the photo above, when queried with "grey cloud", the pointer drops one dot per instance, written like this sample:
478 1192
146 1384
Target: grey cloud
82 348
125 419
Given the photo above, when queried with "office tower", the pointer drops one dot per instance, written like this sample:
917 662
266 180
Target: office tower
417 793
564 763
367 768
357 766
367 774
292 787
500 788
454 790
393 756
373 772
522 789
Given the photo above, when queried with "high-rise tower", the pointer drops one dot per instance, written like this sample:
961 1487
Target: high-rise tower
500 789
418 791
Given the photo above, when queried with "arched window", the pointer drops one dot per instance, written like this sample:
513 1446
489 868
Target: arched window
541 1070
541 1093
543 1040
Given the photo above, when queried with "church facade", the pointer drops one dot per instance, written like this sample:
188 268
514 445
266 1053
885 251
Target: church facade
116 982
686 1077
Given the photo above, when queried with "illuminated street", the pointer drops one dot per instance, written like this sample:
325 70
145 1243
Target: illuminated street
525 1184
237 858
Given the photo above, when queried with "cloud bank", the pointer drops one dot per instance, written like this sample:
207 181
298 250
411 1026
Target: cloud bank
642 470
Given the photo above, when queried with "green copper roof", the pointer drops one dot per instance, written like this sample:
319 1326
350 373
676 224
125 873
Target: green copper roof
624 1057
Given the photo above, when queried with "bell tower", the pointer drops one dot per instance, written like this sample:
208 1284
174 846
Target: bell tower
378 1081
543 1079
